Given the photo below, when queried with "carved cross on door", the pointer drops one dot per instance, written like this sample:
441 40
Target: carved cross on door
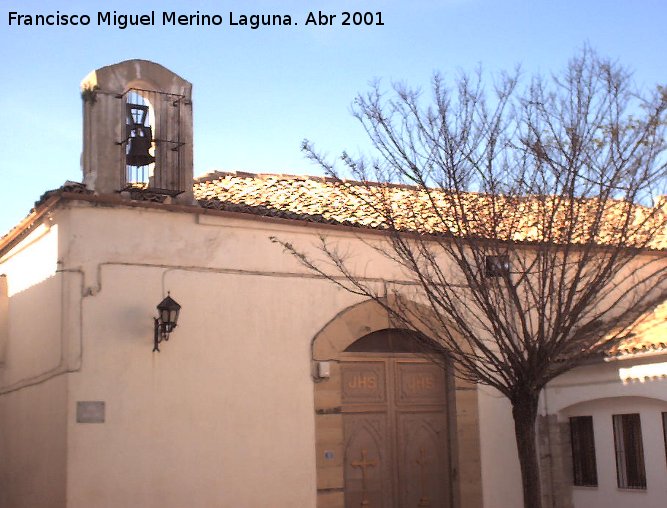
363 464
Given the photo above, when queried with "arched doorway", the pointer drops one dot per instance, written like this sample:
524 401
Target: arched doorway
331 349
395 424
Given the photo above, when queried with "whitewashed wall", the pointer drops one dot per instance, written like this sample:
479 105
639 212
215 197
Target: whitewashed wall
33 388
599 391
223 415
501 475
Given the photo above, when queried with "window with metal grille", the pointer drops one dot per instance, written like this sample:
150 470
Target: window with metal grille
630 469
582 440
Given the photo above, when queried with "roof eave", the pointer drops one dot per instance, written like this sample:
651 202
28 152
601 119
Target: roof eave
23 228
647 353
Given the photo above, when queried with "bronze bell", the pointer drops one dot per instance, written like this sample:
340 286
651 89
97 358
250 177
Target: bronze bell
139 136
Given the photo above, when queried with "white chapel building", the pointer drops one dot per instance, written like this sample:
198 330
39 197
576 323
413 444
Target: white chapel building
274 388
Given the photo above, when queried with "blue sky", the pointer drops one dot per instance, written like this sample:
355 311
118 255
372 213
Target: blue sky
258 93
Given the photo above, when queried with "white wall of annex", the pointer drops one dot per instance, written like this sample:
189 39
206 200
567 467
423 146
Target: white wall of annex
598 391
605 380
607 493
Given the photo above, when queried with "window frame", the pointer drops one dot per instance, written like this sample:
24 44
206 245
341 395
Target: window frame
582 444
629 451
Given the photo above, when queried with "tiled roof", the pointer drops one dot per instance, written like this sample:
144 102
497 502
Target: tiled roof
649 335
313 199
68 186
351 203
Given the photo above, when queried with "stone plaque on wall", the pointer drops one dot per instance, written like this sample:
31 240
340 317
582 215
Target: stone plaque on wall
90 411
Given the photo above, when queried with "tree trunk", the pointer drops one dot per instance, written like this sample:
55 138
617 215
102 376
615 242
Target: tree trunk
524 411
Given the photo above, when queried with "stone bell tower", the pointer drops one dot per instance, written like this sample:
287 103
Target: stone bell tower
137 130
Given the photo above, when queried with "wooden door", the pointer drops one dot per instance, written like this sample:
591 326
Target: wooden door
395 428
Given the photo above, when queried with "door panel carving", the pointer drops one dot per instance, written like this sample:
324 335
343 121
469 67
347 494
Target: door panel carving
422 470
367 460
395 428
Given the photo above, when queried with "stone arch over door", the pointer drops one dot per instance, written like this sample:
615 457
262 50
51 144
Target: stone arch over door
328 350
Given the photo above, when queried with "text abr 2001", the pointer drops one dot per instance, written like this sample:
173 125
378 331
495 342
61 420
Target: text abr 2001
362 18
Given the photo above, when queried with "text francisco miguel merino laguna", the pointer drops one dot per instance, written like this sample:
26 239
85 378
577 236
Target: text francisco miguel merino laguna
122 21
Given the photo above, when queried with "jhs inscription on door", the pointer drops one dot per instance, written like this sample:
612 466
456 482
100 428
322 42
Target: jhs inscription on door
420 383
364 382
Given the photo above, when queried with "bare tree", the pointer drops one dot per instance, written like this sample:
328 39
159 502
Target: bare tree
527 217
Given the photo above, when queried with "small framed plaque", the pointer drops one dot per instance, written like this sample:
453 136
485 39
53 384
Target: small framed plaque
90 411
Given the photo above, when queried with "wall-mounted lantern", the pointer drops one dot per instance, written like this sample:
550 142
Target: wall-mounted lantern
166 321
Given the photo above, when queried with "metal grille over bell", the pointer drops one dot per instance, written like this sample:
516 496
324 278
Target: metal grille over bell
153 159
139 136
